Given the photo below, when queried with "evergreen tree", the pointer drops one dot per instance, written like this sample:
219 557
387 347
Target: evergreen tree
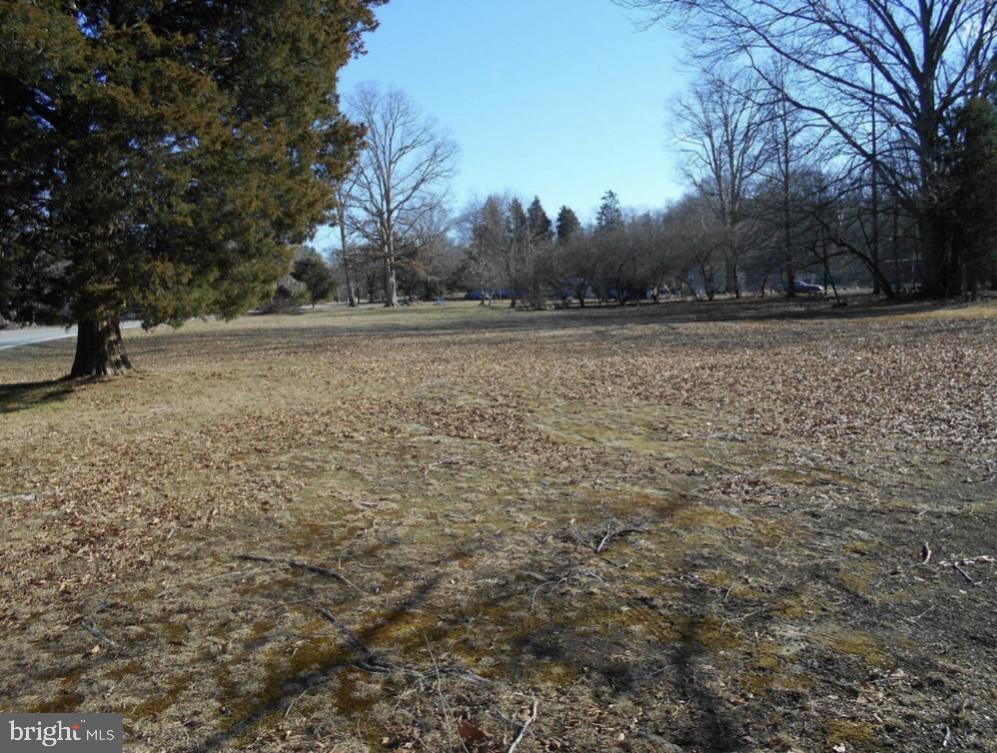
539 223
312 270
970 208
610 216
161 158
519 224
567 225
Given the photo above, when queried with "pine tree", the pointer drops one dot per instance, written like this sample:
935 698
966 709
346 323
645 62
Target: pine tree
568 225
539 223
970 207
311 269
610 216
519 223
161 158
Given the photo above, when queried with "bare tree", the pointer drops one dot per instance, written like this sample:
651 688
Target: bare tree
400 174
344 191
912 63
695 238
722 128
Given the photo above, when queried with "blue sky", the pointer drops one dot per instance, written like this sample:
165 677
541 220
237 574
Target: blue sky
558 98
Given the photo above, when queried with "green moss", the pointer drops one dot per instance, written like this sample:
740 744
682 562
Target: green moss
734 587
860 577
124 670
156 705
854 642
854 735
701 516
64 700
175 633
353 694
796 607
861 547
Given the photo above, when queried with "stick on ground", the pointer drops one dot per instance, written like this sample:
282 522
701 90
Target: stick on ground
613 532
526 726
301 566
964 573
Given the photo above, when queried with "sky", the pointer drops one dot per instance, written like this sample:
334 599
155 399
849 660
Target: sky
562 99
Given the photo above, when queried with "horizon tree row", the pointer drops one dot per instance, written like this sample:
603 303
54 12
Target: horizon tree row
893 101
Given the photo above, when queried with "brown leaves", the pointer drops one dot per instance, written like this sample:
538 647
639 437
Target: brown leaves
469 733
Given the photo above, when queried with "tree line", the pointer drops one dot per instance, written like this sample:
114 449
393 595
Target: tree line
165 160
872 119
852 141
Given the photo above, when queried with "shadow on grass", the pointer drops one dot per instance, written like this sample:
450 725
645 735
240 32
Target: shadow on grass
591 323
18 397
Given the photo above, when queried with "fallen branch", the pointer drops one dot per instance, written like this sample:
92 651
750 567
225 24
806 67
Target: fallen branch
522 729
615 532
96 632
297 564
368 660
294 701
964 573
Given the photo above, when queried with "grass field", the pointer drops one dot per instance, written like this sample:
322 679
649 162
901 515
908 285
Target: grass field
695 527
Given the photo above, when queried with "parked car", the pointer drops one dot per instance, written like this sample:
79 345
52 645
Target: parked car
808 288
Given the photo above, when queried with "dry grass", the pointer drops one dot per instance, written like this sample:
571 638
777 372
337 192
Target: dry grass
460 465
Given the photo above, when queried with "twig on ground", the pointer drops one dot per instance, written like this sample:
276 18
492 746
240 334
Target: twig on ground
96 632
725 623
915 618
367 659
444 706
536 591
731 588
524 727
294 701
964 573
613 532
301 566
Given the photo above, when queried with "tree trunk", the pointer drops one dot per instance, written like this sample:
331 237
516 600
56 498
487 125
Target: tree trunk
351 293
731 284
99 350
936 257
390 283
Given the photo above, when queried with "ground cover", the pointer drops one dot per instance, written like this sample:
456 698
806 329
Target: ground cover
694 525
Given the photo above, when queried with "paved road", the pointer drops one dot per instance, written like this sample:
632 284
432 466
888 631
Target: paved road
15 338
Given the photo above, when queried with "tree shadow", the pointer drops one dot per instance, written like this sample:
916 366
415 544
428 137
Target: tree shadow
714 727
26 395
290 686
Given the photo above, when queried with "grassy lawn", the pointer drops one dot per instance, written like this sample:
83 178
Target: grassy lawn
693 525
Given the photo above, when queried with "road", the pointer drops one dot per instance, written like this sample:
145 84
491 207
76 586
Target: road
15 338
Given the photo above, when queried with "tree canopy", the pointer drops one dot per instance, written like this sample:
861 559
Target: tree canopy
160 157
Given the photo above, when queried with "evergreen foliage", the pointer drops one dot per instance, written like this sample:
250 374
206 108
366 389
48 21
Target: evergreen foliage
970 208
161 157
567 225
314 273
610 216
539 223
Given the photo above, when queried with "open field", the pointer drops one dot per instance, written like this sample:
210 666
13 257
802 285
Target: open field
682 525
